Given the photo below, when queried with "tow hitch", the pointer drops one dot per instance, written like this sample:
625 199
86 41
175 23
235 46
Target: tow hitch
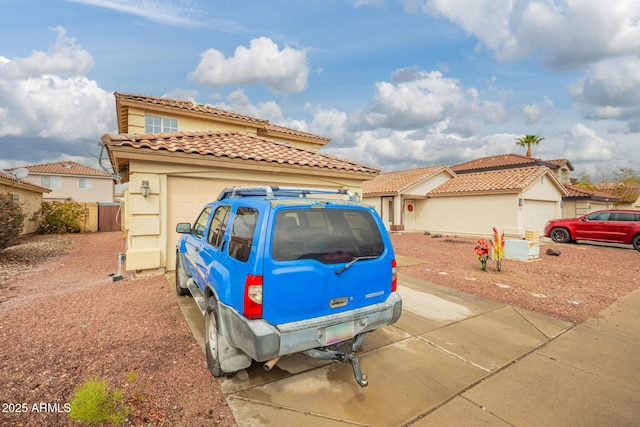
339 353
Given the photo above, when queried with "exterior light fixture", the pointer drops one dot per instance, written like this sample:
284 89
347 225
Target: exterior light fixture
144 188
520 201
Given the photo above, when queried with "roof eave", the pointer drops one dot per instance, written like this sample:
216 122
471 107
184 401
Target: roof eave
121 155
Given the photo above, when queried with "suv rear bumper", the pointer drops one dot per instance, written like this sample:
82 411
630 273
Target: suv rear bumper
263 341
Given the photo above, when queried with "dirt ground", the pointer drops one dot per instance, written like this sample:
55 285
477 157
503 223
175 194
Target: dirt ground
65 321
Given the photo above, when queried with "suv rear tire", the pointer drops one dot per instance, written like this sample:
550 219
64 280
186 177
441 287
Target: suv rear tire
560 235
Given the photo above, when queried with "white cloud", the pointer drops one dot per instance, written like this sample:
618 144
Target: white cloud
67 58
37 101
239 102
166 12
494 112
610 89
537 111
53 107
568 34
415 99
282 71
488 20
186 94
582 144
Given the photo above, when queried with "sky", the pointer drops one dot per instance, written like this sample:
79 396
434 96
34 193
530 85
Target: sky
394 84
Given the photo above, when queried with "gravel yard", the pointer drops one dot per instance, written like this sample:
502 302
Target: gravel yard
574 286
64 319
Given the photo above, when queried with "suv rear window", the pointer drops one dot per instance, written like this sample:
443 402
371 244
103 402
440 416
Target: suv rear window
328 235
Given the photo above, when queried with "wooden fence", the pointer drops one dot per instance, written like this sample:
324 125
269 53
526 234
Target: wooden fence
100 217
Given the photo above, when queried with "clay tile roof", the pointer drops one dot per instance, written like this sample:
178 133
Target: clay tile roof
397 182
186 106
504 180
66 168
576 192
235 145
270 127
9 177
560 163
501 161
628 193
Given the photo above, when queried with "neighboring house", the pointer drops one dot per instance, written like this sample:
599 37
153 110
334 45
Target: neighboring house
581 201
628 193
27 194
561 168
178 155
510 192
399 197
72 181
512 200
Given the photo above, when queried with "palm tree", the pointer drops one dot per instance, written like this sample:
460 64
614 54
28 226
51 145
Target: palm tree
528 141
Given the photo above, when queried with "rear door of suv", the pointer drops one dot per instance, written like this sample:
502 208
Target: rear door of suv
324 259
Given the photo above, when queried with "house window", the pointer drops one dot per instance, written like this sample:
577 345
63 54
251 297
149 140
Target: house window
15 197
52 182
84 183
157 124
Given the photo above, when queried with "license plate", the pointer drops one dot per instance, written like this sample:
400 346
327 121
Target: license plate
337 333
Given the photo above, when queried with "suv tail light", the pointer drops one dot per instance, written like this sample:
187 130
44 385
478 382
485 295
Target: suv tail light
394 275
253 297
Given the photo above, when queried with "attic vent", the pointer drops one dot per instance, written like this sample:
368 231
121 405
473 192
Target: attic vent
67 165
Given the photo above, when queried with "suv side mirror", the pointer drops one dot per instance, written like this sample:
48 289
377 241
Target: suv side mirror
183 228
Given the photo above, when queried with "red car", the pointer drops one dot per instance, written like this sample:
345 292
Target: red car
615 226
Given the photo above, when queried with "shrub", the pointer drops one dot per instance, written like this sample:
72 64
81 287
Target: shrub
58 217
94 403
11 221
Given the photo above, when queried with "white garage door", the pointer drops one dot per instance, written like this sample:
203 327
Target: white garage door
186 197
537 213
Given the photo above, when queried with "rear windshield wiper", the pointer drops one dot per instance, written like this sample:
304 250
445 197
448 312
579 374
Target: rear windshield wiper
353 261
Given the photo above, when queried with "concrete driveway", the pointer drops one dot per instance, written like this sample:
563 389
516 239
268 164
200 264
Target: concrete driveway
444 343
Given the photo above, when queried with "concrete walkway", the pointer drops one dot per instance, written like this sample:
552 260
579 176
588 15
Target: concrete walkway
455 359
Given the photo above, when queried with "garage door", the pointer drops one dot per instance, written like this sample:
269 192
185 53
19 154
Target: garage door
186 197
537 213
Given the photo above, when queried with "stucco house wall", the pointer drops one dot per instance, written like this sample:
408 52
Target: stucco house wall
578 208
472 215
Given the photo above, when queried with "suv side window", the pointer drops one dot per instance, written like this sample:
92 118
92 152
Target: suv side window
201 223
622 216
242 232
218 226
600 216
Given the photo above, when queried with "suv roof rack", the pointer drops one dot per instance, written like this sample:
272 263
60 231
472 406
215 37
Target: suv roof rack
270 191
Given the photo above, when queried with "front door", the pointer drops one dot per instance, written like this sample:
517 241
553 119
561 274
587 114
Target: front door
409 216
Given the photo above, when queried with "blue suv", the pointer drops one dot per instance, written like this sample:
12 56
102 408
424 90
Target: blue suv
275 272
